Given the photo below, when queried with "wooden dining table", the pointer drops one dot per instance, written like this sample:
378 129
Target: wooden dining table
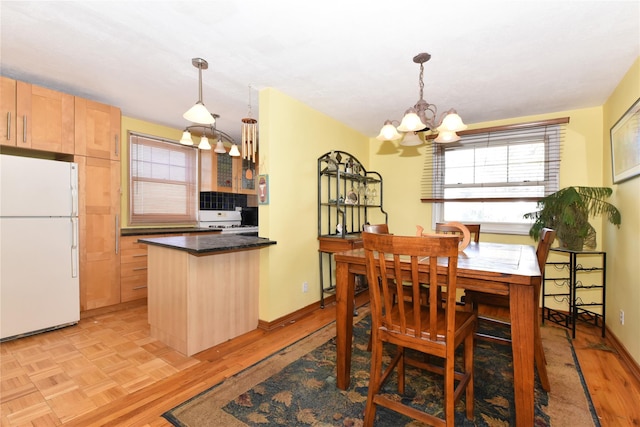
496 268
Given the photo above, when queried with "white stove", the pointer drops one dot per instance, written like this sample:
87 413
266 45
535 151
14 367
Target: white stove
228 222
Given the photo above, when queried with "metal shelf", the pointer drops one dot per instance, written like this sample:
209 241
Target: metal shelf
347 193
573 288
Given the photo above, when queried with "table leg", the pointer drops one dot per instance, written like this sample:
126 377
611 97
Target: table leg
522 340
344 323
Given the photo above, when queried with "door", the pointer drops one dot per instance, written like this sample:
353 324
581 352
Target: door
7 111
45 119
99 232
38 187
97 129
39 276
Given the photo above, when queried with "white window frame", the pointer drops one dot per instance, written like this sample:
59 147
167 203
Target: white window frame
550 135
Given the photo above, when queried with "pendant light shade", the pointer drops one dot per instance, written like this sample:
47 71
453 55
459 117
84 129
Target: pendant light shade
204 143
388 132
452 122
411 139
186 138
234 152
411 122
199 113
220 147
447 136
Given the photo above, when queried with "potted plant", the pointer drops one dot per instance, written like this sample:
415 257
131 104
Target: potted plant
568 210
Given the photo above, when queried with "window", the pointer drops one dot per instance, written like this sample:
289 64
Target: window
162 181
494 177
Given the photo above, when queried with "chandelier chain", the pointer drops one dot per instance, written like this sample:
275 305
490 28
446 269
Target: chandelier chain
421 81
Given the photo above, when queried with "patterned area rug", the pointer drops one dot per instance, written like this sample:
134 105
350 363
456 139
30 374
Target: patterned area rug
297 387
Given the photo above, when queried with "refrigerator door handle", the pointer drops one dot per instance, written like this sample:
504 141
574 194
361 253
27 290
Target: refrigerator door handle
74 189
74 247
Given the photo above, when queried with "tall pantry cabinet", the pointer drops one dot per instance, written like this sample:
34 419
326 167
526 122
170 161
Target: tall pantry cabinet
97 149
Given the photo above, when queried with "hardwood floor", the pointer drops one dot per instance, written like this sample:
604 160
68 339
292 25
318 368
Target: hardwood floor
108 371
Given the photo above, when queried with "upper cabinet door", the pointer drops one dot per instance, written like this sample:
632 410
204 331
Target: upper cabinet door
97 129
8 111
45 119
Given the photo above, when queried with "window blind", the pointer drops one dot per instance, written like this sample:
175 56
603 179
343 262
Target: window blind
163 181
520 162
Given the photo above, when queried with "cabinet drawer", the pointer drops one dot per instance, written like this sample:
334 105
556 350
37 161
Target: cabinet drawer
133 287
128 256
134 268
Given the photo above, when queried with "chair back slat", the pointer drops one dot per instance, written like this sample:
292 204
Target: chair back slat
400 310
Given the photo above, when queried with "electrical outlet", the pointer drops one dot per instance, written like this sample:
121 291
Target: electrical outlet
621 317
305 287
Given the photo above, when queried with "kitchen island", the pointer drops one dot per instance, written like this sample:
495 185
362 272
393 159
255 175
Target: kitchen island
203 289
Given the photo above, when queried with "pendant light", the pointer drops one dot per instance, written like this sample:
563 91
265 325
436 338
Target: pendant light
199 113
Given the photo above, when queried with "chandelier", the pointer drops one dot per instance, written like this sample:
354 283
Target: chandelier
423 117
205 121
214 134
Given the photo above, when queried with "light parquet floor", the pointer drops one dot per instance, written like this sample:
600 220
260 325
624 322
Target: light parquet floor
108 371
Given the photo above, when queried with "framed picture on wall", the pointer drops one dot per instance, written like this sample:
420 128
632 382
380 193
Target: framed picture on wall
263 189
625 145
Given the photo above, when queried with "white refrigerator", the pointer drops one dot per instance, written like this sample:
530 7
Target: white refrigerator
39 284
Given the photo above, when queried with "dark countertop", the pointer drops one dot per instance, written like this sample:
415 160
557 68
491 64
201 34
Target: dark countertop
209 244
160 230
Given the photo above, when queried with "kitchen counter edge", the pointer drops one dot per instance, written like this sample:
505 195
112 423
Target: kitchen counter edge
209 244
160 230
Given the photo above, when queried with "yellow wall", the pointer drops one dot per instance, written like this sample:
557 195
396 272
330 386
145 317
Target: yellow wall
623 245
292 137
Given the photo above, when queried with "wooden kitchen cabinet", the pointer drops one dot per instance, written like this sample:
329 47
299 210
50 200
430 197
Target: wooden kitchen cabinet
223 173
133 269
133 265
99 219
8 111
97 129
42 119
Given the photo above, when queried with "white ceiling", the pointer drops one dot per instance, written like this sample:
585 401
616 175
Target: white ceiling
350 59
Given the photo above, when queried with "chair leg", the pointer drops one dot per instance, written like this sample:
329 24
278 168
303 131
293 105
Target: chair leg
468 367
374 383
449 386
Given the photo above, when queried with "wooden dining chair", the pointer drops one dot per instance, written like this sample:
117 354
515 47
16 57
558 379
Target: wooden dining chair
446 228
376 228
393 261
475 298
